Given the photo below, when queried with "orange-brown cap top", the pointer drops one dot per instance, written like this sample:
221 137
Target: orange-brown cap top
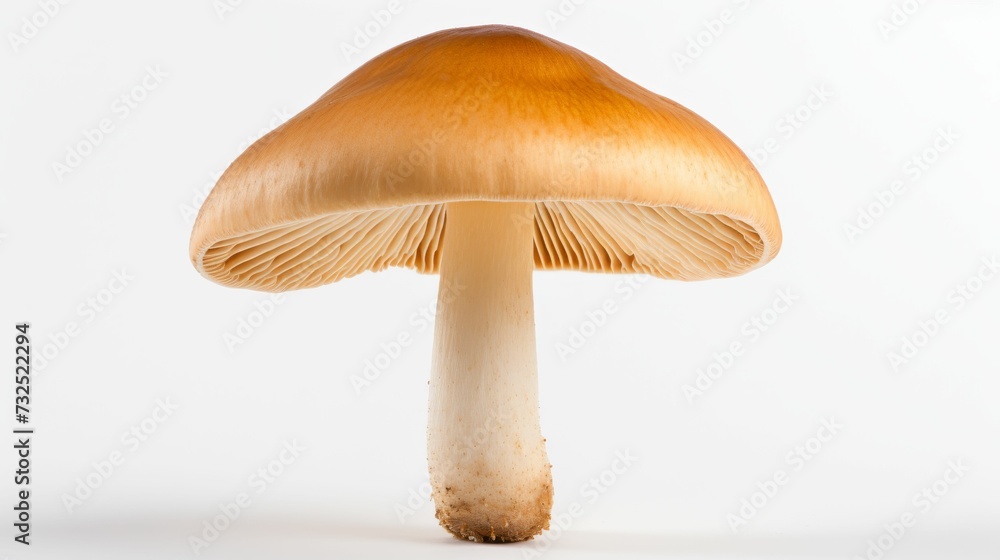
623 180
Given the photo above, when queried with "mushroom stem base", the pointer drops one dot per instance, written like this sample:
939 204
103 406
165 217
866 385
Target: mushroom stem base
490 474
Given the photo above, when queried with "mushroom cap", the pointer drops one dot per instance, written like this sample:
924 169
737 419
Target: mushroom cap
623 180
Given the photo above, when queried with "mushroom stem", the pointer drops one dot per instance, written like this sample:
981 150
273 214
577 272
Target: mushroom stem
489 471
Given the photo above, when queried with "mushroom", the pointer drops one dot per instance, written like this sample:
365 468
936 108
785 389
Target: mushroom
483 154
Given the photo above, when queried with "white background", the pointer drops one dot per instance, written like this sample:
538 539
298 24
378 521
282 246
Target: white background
232 75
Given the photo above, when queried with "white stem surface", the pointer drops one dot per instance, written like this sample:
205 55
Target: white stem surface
490 474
